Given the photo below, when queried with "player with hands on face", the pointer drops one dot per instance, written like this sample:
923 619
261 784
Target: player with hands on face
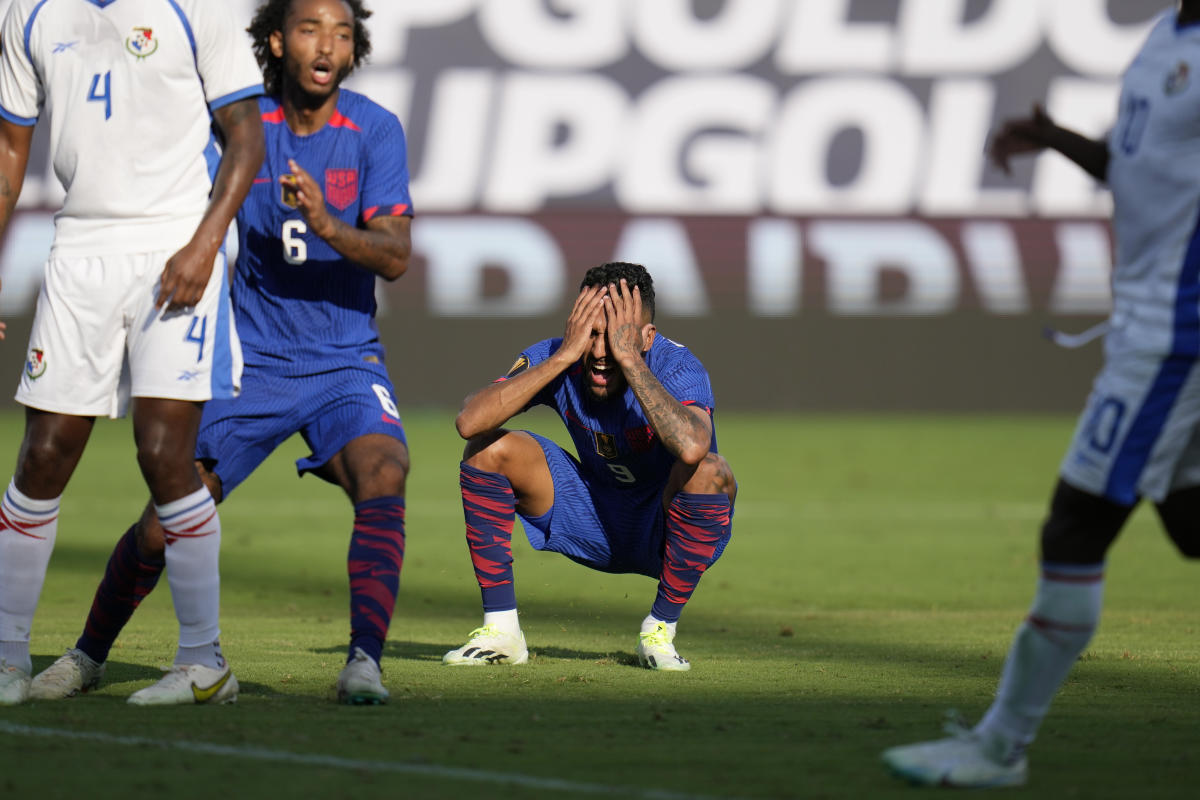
645 492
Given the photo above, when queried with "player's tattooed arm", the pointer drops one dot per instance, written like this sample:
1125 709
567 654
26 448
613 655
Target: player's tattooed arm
498 402
186 273
686 431
383 247
15 142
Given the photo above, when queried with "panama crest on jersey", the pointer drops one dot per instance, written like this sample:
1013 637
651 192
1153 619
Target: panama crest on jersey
341 187
35 364
1177 79
141 42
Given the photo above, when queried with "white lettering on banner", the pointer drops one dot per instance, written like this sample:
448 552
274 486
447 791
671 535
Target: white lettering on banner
1081 34
1059 187
391 88
774 267
669 34
557 135
817 37
393 22
959 111
582 35
856 255
995 266
678 285
937 41
694 146
460 249
454 155
893 129
1085 267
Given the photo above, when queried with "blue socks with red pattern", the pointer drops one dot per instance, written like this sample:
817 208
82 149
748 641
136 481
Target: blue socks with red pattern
128 578
374 562
698 527
489 508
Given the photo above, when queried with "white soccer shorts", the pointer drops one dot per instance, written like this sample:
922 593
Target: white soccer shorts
1139 435
97 338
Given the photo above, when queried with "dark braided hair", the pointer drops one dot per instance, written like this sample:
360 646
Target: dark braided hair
270 17
634 275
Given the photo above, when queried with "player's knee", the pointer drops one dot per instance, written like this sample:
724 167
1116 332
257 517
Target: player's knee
491 451
1081 526
151 541
384 476
1180 515
712 475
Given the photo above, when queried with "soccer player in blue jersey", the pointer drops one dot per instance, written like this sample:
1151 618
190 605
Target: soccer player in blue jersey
328 213
647 492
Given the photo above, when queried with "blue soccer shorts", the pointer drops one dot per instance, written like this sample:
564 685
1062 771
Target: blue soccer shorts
329 410
596 527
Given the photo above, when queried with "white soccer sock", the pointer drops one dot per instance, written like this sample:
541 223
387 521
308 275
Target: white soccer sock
506 621
193 534
27 531
1062 621
649 623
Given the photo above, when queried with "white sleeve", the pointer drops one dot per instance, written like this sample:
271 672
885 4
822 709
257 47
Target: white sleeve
223 54
20 88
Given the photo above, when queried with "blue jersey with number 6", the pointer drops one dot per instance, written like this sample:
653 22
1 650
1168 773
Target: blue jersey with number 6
301 307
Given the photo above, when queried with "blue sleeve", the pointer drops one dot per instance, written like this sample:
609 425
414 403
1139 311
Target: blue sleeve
385 184
531 356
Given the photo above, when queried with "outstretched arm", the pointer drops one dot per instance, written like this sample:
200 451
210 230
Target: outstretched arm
383 247
497 403
686 431
1038 132
187 272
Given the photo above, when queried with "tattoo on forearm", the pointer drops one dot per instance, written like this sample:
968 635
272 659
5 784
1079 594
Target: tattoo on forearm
674 424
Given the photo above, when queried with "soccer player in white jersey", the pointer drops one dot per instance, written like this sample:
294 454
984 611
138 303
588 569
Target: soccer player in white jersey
135 284
1139 435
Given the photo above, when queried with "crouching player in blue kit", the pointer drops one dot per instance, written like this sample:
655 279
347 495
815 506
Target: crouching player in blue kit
303 294
648 492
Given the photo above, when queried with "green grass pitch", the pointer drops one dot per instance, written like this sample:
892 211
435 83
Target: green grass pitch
878 568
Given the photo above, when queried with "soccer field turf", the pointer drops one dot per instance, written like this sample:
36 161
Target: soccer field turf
878 568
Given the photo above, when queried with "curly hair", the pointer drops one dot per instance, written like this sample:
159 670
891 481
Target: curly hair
270 17
634 275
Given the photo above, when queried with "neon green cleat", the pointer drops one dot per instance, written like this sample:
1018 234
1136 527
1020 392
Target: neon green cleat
656 651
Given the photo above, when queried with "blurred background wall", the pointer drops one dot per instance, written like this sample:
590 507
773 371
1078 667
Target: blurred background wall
805 179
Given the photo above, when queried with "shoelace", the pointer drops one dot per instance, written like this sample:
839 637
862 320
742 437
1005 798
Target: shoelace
481 632
658 637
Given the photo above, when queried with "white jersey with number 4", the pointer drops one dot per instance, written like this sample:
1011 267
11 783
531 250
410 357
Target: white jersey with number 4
1154 174
127 87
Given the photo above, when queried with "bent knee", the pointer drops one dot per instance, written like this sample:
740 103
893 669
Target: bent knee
1081 526
712 475
498 450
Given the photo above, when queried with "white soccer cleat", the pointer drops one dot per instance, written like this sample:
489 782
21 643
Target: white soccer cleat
72 673
14 684
489 645
656 651
360 683
965 760
189 683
